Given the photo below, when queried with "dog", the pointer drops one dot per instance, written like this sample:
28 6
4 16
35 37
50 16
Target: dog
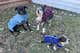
44 14
19 20
55 42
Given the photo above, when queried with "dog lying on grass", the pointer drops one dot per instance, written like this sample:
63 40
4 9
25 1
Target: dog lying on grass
55 42
44 14
19 19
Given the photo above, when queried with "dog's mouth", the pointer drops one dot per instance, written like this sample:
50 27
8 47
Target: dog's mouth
22 12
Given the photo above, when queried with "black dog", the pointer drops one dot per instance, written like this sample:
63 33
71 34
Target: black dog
19 19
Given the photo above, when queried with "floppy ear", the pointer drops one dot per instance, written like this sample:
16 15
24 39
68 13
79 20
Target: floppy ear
25 7
15 8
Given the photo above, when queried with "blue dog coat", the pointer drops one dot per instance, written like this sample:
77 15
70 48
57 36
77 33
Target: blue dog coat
17 20
52 40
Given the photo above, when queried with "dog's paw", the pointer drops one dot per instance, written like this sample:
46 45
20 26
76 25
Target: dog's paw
49 25
66 49
37 29
22 32
54 48
31 31
48 46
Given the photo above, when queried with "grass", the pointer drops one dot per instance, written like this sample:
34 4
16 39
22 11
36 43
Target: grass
64 22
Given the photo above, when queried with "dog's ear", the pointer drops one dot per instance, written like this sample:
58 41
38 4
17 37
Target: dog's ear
25 7
15 8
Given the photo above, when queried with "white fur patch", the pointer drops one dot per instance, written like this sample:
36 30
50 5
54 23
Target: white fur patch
43 30
38 19
66 49
37 27
55 48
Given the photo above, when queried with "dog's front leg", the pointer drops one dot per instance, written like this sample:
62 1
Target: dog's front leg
43 27
54 47
28 26
43 30
38 26
23 26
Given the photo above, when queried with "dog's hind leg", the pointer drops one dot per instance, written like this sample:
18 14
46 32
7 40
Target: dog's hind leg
28 26
50 22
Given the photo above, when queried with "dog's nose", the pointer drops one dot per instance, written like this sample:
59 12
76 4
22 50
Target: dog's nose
69 40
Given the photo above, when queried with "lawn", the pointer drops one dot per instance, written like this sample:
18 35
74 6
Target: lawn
64 22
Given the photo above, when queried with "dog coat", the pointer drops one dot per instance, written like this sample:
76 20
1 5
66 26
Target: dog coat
52 40
48 13
17 20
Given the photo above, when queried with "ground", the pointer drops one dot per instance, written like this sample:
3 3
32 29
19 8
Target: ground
64 22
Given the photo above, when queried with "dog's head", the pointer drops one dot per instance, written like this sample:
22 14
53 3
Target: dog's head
21 10
64 40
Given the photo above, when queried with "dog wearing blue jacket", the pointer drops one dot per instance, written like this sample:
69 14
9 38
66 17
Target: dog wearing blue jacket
19 19
55 42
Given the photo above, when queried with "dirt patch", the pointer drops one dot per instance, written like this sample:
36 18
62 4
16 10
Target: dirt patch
13 3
